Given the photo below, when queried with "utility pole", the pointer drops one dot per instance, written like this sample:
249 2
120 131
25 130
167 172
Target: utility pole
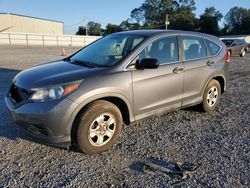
86 29
167 22
86 26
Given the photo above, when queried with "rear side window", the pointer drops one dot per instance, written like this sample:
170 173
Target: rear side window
194 48
213 48
237 42
242 42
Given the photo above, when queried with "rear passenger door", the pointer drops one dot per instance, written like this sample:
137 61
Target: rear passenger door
238 47
196 65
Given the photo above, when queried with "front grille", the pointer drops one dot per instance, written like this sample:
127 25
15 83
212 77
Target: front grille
18 94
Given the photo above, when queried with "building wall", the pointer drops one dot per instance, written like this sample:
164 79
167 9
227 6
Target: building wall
10 23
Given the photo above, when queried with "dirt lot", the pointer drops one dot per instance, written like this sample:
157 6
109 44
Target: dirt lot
220 141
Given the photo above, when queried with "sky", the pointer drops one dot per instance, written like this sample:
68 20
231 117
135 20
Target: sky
77 12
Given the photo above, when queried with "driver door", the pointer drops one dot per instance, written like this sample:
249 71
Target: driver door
158 90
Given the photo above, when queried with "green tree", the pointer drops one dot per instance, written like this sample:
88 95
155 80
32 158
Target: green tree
137 15
94 29
183 18
209 21
152 14
246 23
112 28
81 30
155 12
235 18
127 25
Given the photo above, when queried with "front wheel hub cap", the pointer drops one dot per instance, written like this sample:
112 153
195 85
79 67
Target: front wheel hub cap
102 129
212 96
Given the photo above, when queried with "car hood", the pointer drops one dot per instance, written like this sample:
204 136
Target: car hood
53 73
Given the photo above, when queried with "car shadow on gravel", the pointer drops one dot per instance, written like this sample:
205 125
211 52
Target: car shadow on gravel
196 108
7 127
6 75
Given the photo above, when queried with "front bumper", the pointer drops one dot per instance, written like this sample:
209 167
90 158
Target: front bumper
45 122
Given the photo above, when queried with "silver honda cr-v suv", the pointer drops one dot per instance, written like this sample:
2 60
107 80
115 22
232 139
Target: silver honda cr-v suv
85 98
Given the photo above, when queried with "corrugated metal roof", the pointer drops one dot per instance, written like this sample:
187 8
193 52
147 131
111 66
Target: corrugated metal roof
31 17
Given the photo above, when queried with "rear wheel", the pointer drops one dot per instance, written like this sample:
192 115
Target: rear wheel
243 53
99 127
211 96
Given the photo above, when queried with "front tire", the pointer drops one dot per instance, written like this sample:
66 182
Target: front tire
99 128
211 96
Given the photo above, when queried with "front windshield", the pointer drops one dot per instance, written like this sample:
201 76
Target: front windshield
108 51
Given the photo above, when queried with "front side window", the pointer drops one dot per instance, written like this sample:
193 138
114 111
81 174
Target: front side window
108 51
235 42
213 48
193 48
164 50
228 42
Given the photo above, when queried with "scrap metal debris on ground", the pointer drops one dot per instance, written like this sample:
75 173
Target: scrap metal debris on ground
182 171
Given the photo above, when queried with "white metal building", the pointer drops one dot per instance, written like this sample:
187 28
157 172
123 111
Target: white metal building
14 23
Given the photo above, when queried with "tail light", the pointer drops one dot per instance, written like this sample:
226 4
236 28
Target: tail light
227 57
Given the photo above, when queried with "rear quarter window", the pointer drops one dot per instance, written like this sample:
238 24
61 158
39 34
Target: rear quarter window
213 48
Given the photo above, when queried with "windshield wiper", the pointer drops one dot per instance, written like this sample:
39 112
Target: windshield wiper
84 63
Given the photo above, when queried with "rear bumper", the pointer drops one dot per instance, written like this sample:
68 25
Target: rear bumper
45 122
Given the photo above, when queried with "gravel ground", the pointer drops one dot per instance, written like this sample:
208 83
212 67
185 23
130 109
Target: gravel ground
220 141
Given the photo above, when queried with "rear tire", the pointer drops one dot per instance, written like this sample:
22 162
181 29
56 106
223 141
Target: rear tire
211 96
99 128
243 53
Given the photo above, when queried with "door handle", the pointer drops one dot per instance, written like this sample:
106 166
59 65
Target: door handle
178 70
209 63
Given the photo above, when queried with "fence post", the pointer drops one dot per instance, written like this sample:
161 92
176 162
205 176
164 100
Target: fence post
9 39
27 42
43 39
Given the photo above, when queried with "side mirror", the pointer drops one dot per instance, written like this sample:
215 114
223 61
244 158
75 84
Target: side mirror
148 63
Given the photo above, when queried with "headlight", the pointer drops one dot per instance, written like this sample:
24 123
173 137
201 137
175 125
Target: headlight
53 93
